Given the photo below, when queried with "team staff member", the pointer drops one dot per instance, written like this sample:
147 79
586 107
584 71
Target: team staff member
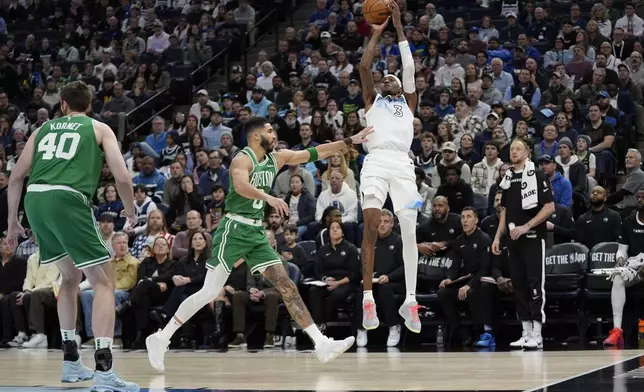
528 202
390 272
470 261
600 224
561 224
435 238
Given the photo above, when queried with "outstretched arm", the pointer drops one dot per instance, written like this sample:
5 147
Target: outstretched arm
408 69
289 157
366 78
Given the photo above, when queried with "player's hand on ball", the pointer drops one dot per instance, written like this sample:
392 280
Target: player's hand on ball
361 136
279 205
381 27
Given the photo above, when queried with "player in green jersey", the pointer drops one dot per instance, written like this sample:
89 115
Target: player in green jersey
65 157
240 235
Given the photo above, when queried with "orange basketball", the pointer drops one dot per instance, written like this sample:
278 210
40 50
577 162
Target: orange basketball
376 11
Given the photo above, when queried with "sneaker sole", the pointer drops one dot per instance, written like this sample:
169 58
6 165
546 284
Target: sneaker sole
372 327
242 345
334 355
414 330
75 379
159 369
107 388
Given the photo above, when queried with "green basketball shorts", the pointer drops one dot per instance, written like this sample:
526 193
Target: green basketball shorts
235 240
64 225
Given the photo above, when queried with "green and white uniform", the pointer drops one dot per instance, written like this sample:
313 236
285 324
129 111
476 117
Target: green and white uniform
240 234
66 169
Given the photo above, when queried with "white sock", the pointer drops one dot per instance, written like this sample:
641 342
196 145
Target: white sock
68 334
536 329
527 327
407 219
617 300
213 283
100 343
367 295
22 335
314 333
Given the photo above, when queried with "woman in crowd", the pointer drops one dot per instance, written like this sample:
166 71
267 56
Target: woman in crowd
155 227
321 132
564 127
338 266
471 77
172 149
190 130
466 151
187 200
301 205
585 156
190 273
458 92
154 286
487 29
444 135
112 205
342 64
178 123
352 125
572 111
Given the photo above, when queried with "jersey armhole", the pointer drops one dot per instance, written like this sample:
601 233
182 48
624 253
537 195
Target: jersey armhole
252 159
378 96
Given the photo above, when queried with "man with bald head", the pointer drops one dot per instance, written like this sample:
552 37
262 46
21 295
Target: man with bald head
501 79
600 224
478 107
181 242
435 238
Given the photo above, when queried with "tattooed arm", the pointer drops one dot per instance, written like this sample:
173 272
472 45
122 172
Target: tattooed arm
278 275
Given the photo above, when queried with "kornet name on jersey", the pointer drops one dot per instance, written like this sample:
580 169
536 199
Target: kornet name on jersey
393 124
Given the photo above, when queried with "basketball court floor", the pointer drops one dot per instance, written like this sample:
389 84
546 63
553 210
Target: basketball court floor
362 370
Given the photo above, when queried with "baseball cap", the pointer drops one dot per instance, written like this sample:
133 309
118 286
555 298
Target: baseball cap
603 94
354 81
325 34
236 69
258 89
557 74
474 30
493 114
449 146
229 96
202 92
293 73
487 76
545 158
622 65
106 217
511 14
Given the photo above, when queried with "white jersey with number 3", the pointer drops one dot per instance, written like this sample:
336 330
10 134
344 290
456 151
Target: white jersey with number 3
393 124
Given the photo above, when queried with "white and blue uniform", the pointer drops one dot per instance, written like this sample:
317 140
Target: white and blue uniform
388 168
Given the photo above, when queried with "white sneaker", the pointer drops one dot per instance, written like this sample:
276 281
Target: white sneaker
534 343
331 349
521 342
361 339
394 336
38 340
157 346
18 340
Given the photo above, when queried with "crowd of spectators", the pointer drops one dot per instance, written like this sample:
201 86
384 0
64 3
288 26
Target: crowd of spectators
567 79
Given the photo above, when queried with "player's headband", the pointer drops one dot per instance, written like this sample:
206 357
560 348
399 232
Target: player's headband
394 77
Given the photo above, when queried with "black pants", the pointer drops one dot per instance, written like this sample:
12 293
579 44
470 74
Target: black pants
527 271
486 298
385 297
177 296
144 296
323 303
14 315
451 304
7 317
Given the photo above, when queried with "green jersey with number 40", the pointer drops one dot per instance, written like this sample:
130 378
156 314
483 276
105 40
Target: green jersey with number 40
261 177
66 153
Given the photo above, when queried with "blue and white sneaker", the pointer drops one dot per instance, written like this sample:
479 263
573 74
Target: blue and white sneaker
486 340
112 382
75 372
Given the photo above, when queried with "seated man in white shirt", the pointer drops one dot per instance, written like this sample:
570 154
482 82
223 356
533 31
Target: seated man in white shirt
341 196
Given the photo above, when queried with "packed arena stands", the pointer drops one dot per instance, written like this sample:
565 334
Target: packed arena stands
178 80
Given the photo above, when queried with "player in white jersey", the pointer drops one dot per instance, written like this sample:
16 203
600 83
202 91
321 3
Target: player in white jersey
389 170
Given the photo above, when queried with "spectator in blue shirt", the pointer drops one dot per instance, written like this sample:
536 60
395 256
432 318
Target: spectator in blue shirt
258 103
389 47
216 175
212 133
320 15
156 141
151 179
561 186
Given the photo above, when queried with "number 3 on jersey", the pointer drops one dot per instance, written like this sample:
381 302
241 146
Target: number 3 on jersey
63 148
399 110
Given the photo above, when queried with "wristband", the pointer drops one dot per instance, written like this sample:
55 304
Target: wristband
348 141
313 154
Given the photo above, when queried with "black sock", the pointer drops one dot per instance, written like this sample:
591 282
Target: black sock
103 359
70 351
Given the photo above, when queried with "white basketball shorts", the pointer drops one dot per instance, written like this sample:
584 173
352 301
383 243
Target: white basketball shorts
390 172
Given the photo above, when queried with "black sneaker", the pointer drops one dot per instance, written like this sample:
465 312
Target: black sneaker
269 341
239 341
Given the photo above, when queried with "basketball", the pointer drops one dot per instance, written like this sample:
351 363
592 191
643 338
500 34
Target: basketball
376 11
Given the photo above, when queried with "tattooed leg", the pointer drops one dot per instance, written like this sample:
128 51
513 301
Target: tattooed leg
278 275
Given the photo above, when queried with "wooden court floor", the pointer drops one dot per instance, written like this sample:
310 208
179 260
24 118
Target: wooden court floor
38 370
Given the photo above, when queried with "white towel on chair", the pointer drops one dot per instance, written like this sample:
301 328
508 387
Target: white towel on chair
529 196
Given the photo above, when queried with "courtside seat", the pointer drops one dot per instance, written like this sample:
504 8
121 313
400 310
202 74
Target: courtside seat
601 256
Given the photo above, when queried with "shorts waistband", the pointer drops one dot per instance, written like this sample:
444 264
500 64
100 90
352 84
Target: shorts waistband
48 187
246 221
